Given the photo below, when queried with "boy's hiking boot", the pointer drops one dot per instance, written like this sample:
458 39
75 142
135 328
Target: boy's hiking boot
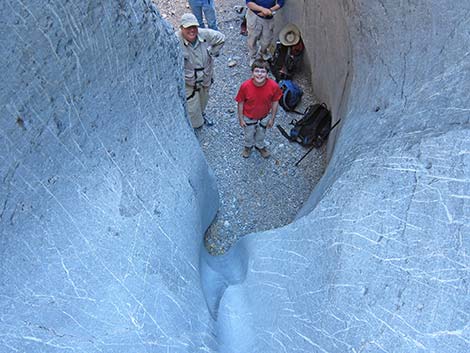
246 152
264 152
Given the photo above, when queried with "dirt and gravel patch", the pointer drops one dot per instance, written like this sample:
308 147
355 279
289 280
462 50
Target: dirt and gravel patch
256 194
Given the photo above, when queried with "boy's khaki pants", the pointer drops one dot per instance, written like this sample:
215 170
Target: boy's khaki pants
255 131
197 104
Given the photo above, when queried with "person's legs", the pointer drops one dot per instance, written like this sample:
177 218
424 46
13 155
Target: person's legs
203 97
266 38
254 32
249 132
194 107
197 11
261 133
209 12
243 30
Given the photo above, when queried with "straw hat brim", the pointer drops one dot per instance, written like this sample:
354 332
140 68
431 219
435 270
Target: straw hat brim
289 35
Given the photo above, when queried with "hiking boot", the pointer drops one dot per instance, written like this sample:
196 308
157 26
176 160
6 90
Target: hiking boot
263 152
207 121
246 152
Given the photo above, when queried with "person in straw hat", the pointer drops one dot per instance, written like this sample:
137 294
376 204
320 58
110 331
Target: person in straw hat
260 26
289 35
199 46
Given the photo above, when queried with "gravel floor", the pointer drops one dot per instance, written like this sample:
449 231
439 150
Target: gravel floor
256 194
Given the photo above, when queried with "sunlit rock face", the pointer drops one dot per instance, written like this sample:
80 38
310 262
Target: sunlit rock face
104 193
378 258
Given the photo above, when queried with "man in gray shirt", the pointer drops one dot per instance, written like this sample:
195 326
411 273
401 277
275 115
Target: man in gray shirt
199 46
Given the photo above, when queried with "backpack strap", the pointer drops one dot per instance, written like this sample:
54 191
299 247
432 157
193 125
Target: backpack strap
193 94
311 110
284 133
197 83
284 99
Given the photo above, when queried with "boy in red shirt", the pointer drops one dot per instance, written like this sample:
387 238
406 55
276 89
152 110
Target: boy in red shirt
257 97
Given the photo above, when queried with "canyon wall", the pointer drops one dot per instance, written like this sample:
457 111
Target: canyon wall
378 258
105 193
103 209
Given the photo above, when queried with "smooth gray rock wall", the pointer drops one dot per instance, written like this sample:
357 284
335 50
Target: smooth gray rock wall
378 258
328 54
102 206
105 193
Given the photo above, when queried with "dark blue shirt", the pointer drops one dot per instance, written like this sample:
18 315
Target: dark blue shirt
267 3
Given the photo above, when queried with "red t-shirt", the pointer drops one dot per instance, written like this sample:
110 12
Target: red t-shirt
257 101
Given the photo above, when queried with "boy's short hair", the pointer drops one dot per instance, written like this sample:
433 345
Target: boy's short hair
260 64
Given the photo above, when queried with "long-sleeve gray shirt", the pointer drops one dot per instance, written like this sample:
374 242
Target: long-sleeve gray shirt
198 56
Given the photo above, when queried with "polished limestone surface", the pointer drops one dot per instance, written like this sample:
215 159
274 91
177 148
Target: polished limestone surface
105 194
378 258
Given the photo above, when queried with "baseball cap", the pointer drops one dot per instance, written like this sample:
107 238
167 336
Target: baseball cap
188 20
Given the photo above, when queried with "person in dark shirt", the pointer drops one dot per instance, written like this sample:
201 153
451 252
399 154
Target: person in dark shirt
260 25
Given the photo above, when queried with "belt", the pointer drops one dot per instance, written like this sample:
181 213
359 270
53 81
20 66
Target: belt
264 17
256 122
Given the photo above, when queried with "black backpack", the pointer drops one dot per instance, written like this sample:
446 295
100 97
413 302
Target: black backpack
312 129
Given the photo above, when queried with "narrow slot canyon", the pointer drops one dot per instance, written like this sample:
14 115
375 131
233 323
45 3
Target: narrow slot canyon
108 195
255 194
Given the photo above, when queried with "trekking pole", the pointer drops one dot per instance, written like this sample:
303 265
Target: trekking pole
305 155
311 148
